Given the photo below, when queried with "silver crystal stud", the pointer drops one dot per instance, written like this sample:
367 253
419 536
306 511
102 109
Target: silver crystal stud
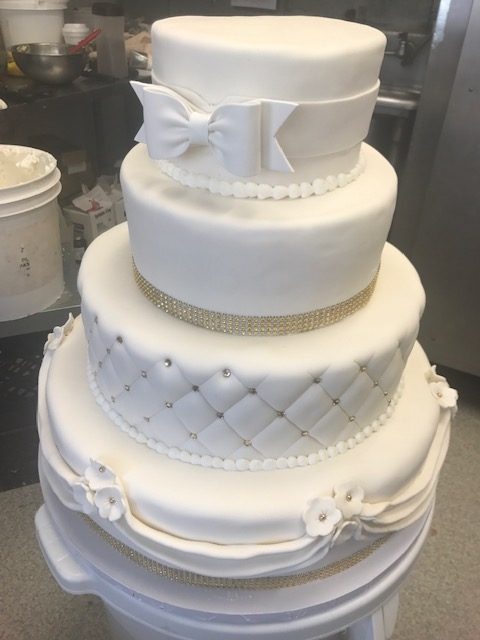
226 373
169 405
322 517
336 401
144 374
317 380
119 339
219 414
167 362
363 368
195 387
375 383
112 500
348 497
352 418
101 468
304 433
193 436
147 419
247 443
126 387
252 390
109 350
281 414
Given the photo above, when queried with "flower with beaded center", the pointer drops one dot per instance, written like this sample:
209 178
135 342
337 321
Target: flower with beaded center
444 394
349 499
110 503
321 517
441 390
98 475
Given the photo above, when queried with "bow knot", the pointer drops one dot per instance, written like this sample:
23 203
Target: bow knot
242 135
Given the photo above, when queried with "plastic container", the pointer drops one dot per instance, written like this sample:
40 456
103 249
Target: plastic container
73 32
111 53
25 21
31 268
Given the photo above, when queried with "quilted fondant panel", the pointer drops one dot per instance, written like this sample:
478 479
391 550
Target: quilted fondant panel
204 410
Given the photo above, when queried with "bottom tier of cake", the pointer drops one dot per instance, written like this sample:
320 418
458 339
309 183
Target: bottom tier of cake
230 523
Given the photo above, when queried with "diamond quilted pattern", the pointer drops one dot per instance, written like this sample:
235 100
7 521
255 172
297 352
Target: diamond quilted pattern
310 406
167 381
336 383
223 390
222 413
165 427
194 411
275 439
216 437
280 392
250 416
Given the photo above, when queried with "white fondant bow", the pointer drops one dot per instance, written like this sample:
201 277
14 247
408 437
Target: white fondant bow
242 135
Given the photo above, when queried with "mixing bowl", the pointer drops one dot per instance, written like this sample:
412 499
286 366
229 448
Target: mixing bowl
48 62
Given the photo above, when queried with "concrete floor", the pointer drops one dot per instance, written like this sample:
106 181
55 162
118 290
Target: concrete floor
440 601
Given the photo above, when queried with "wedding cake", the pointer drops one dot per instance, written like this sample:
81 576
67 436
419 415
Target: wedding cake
243 397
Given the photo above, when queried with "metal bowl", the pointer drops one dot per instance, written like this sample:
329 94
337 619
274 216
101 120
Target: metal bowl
48 62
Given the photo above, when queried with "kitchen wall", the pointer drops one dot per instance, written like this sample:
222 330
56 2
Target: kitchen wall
408 15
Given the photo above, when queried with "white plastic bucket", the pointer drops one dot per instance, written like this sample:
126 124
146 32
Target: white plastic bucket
73 32
31 269
32 21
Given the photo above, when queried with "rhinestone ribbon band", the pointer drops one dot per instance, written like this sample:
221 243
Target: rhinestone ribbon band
253 325
267 582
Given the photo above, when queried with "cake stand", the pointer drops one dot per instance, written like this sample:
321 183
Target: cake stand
361 600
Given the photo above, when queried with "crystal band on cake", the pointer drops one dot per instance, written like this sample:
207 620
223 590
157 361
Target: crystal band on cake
264 582
254 325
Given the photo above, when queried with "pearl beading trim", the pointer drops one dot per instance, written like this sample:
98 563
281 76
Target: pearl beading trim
262 191
253 325
265 583
242 464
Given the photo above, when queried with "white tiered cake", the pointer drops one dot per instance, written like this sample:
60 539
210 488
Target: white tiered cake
255 404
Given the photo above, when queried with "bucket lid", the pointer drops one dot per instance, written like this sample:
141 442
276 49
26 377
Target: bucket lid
25 173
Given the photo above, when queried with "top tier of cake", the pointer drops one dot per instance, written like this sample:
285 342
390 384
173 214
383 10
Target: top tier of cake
311 82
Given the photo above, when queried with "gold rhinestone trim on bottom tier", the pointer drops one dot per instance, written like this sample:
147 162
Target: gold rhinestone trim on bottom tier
253 325
198 580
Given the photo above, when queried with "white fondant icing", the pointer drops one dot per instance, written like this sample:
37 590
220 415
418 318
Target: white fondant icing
252 257
193 55
286 396
239 524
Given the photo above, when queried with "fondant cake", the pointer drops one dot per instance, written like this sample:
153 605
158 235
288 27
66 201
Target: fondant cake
243 396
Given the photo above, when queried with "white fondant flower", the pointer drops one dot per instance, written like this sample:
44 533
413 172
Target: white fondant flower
84 496
321 517
349 500
110 502
445 395
98 475
58 335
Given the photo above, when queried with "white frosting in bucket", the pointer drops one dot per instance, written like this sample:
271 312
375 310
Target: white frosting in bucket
20 165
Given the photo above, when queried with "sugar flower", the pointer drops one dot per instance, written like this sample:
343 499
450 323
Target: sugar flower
349 500
321 517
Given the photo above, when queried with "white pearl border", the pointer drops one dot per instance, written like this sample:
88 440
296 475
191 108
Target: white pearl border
243 464
239 189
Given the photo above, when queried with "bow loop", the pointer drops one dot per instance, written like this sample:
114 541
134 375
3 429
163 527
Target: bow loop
241 135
